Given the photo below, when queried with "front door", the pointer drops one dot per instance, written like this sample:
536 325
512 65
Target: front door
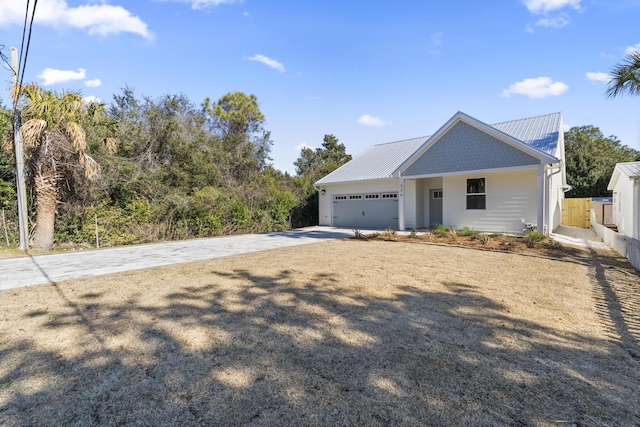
435 207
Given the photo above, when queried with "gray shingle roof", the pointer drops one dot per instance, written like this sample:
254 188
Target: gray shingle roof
381 161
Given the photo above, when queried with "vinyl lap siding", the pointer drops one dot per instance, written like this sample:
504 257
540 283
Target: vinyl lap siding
508 201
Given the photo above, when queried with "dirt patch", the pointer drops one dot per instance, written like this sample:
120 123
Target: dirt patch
353 332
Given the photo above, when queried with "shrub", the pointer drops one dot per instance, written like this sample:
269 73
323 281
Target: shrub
482 238
531 237
452 234
468 232
357 234
441 230
390 233
414 234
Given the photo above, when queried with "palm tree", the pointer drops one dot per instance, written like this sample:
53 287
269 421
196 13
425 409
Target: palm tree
625 77
55 144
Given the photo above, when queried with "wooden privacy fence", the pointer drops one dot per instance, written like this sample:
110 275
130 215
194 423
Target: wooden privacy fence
576 212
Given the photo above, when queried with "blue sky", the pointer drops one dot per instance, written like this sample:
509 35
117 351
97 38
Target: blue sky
367 72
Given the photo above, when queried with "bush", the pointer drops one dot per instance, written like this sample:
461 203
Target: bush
482 238
531 237
390 233
468 232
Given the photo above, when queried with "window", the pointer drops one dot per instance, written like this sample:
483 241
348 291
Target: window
437 194
339 197
476 196
371 196
390 196
355 197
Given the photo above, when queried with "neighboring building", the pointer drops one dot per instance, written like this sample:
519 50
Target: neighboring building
494 178
603 208
625 184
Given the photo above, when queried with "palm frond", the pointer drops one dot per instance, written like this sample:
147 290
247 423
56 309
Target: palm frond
7 143
112 145
32 132
625 77
91 167
77 135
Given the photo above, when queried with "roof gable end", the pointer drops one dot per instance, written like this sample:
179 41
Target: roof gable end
519 153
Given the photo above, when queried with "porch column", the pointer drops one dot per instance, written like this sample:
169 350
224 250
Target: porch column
541 196
401 205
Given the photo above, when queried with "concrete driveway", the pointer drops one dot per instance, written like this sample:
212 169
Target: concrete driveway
41 269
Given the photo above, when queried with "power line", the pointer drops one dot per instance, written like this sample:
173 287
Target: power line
24 30
26 53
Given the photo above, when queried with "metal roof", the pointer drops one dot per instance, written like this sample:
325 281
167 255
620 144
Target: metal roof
631 169
540 132
381 161
377 162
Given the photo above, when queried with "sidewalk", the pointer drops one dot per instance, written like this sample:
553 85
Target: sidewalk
41 269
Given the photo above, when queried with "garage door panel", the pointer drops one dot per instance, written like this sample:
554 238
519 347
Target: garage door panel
362 213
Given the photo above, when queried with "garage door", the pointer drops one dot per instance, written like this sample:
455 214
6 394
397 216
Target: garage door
371 210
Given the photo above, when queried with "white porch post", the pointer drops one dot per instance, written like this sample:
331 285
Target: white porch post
541 196
401 205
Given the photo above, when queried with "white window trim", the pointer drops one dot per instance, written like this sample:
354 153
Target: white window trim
466 186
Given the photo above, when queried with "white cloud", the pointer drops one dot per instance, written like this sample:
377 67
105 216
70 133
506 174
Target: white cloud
91 99
268 62
301 146
544 6
598 77
202 4
97 19
369 120
558 22
52 76
539 87
93 83
632 49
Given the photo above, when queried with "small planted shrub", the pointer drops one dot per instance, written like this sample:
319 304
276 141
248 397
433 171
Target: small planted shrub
483 238
357 234
441 231
494 235
468 232
390 233
414 234
452 234
531 237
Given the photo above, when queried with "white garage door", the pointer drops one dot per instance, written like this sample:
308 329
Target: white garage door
368 210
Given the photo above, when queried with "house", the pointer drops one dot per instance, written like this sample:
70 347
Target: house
504 177
625 184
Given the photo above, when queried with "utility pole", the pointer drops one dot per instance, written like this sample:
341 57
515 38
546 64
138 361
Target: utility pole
22 192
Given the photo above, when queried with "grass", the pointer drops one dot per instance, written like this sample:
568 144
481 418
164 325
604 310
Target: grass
337 333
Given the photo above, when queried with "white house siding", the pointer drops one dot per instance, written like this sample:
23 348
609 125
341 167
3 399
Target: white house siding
509 201
623 205
554 201
422 199
410 204
326 200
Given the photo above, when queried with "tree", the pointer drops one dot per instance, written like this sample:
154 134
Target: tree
310 167
237 119
322 161
625 77
591 158
55 146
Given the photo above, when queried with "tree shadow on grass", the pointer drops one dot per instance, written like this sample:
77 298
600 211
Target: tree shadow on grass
247 349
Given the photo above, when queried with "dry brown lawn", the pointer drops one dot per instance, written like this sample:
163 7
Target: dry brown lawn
351 332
